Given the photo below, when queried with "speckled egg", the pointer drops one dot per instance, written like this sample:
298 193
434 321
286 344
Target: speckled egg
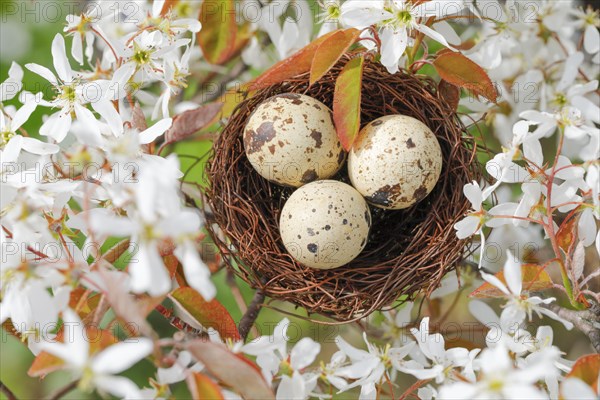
325 224
395 162
290 139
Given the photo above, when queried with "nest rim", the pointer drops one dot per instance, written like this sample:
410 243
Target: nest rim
408 252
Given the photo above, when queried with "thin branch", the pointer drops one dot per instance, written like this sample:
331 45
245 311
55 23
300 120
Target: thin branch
7 392
587 321
60 393
251 314
414 387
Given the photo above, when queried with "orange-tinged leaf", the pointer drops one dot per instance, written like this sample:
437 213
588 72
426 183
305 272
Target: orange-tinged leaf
217 38
296 64
535 278
83 306
346 101
462 72
330 51
232 369
191 121
45 363
587 368
208 313
205 388
567 233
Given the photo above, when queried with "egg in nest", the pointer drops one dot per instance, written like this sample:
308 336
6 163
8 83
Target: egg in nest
325 224
290 139
395 162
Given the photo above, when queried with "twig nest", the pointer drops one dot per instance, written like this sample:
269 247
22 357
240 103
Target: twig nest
325 224
290 139
395 162
408 250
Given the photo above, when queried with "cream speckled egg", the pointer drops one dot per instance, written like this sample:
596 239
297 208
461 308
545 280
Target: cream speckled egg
395 162
325 224
290 139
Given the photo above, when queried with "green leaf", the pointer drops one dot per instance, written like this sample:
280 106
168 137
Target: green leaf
535 278
462 72
208 313
217 38
330 51
232 369
346 101
296 64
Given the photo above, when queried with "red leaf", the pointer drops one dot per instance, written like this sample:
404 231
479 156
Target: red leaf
450 93
346 101
297 64
45 363
191 121
232 369
205 388
534 279
208 313
587 368
330 51
462 72
217 38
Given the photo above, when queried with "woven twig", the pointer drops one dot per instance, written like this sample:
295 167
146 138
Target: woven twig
408 250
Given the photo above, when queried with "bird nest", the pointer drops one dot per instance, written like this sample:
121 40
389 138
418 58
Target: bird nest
408 251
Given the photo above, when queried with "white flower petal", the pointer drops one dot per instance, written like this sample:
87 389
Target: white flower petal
22 115
110 114
118 386
304 353
148 272
77 48
496 282
196 271
43 72
434 35
591 39
513 274
57 126
121 356
150 134
59 57
393 44
35 146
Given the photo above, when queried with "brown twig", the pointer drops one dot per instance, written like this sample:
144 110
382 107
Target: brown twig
251 314
63 391
414 387
7 392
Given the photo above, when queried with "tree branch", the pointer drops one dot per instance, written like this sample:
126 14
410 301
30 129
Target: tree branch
251 314
7 392
60 393
587 321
